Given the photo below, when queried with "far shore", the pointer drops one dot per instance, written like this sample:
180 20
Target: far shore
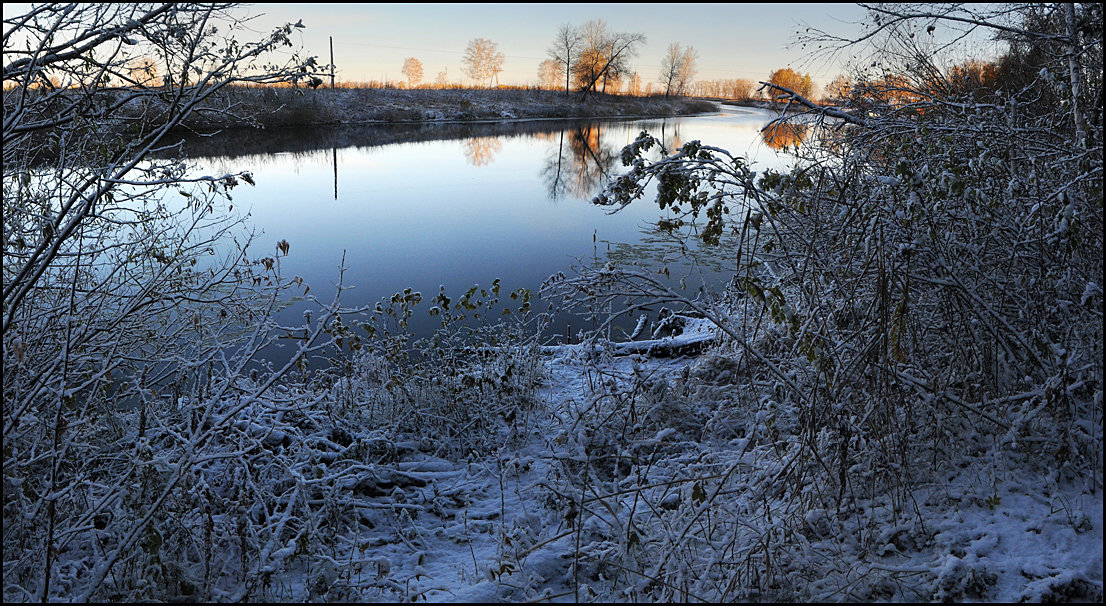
275 107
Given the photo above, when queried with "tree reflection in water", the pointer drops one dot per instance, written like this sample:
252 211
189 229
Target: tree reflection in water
586 164
781 137
480 151
581 167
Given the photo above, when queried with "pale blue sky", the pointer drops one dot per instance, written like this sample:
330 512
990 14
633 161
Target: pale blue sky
733 40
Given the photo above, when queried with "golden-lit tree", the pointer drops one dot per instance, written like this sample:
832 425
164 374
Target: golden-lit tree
738 88
604 56
482 61
789 78
892 89
550 73
412 68
838 89
143 72
973 76
688 67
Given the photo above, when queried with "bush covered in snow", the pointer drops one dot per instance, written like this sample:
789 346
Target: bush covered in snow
899 396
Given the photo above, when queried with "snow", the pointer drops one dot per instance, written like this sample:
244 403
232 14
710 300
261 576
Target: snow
493 527
291 107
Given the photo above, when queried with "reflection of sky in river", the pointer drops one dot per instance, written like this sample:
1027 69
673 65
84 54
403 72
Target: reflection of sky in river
458 212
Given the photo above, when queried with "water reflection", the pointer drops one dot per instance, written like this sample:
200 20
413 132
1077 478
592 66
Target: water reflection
480 151
579 163
427 205
584 158
784 136
302 142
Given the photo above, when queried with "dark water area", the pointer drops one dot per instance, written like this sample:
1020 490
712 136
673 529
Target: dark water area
426 206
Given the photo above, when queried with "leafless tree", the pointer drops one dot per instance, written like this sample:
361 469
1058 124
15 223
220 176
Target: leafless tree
412 68
550 73
688 68
838 89
132 310
678 67
670 65
565 50
482 62
604 56
738 88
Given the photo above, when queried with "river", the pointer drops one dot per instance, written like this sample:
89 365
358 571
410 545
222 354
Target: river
423 206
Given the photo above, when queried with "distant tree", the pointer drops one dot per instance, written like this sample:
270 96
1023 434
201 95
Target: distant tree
614 83
143 72
838 89
550 73
677 69
892 89
972 77
482 62
741 89
732 89
635 84
687 69
565 48
790 79
412 68
443 78
670 68
604 56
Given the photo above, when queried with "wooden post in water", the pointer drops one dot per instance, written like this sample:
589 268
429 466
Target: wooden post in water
332 62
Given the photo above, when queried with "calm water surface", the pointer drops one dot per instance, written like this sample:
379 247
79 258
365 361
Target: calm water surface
426 206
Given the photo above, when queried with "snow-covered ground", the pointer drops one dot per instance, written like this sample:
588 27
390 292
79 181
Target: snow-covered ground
505 524
299 107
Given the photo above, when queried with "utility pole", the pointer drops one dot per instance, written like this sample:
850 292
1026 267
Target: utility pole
332 62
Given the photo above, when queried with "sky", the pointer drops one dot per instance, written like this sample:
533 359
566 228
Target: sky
371 41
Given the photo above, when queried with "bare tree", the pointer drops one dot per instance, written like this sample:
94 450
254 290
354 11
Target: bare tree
550 73
131 309
144 72
482 62
838 89
670 67
738 88
565 50
604 56
687 70
677 69
412 68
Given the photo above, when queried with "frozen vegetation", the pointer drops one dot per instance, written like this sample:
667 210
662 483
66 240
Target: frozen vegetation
898 397
305 107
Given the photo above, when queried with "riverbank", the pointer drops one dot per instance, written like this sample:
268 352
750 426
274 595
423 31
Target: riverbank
273 107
